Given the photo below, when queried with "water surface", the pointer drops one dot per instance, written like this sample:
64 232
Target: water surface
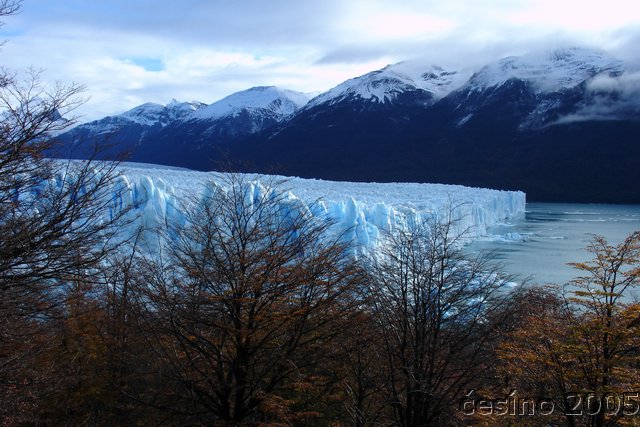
551 235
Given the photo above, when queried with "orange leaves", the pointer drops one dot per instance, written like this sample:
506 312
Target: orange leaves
586 341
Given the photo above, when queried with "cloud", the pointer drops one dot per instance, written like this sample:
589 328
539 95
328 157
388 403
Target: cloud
609 98
575 15
352 54
156 50
201 23
624 44
626 85
149 64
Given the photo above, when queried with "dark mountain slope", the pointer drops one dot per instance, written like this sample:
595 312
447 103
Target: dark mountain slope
561 126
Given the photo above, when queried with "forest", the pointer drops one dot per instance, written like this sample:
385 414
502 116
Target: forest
249 315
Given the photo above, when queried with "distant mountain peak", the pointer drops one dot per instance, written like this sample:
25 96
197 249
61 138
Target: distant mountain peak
542 122
145 114
386 84
272 99
150 113
548 71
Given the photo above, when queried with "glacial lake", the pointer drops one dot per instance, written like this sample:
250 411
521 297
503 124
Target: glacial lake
550 235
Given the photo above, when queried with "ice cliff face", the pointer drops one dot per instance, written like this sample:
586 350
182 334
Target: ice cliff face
361 212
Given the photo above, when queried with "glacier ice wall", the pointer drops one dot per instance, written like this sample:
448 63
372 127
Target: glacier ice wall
361 212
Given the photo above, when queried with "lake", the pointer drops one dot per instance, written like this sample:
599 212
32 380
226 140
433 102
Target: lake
551 235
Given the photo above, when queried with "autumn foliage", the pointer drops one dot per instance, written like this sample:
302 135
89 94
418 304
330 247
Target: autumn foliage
583 343
253 312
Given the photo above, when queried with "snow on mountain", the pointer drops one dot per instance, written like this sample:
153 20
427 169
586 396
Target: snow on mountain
150 113
549 71
271 100
386 84
182 110
146 114
361 211
546 72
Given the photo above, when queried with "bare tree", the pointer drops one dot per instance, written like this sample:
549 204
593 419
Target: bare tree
251 291
435 309
9 7
57 224
362 372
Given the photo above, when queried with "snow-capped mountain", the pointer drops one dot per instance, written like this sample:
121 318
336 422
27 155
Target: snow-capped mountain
429 83
546 72
244 113
112 136
151 114
560 125
540 89
542 122
265 103
268 101
146 115
176 131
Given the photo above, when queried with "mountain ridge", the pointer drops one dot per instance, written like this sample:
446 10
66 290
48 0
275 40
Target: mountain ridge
492 126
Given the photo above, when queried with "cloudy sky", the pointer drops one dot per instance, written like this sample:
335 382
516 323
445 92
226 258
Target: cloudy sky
127 52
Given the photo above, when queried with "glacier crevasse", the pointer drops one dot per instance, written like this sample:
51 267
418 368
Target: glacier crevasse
361 212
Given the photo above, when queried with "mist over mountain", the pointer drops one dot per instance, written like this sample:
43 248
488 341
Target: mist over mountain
560 125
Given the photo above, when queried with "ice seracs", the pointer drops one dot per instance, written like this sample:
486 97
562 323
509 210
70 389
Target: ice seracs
361 212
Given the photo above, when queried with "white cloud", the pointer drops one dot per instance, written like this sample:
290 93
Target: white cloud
372 22
627 85
207 50
205 62
575 15
610 98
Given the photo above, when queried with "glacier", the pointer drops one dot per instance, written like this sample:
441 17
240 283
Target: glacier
359 212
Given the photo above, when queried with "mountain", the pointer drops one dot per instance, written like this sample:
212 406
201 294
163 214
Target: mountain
263 102
123 134
164 133
395 84
559 125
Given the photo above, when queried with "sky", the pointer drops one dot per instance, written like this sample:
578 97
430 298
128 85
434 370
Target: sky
128 52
